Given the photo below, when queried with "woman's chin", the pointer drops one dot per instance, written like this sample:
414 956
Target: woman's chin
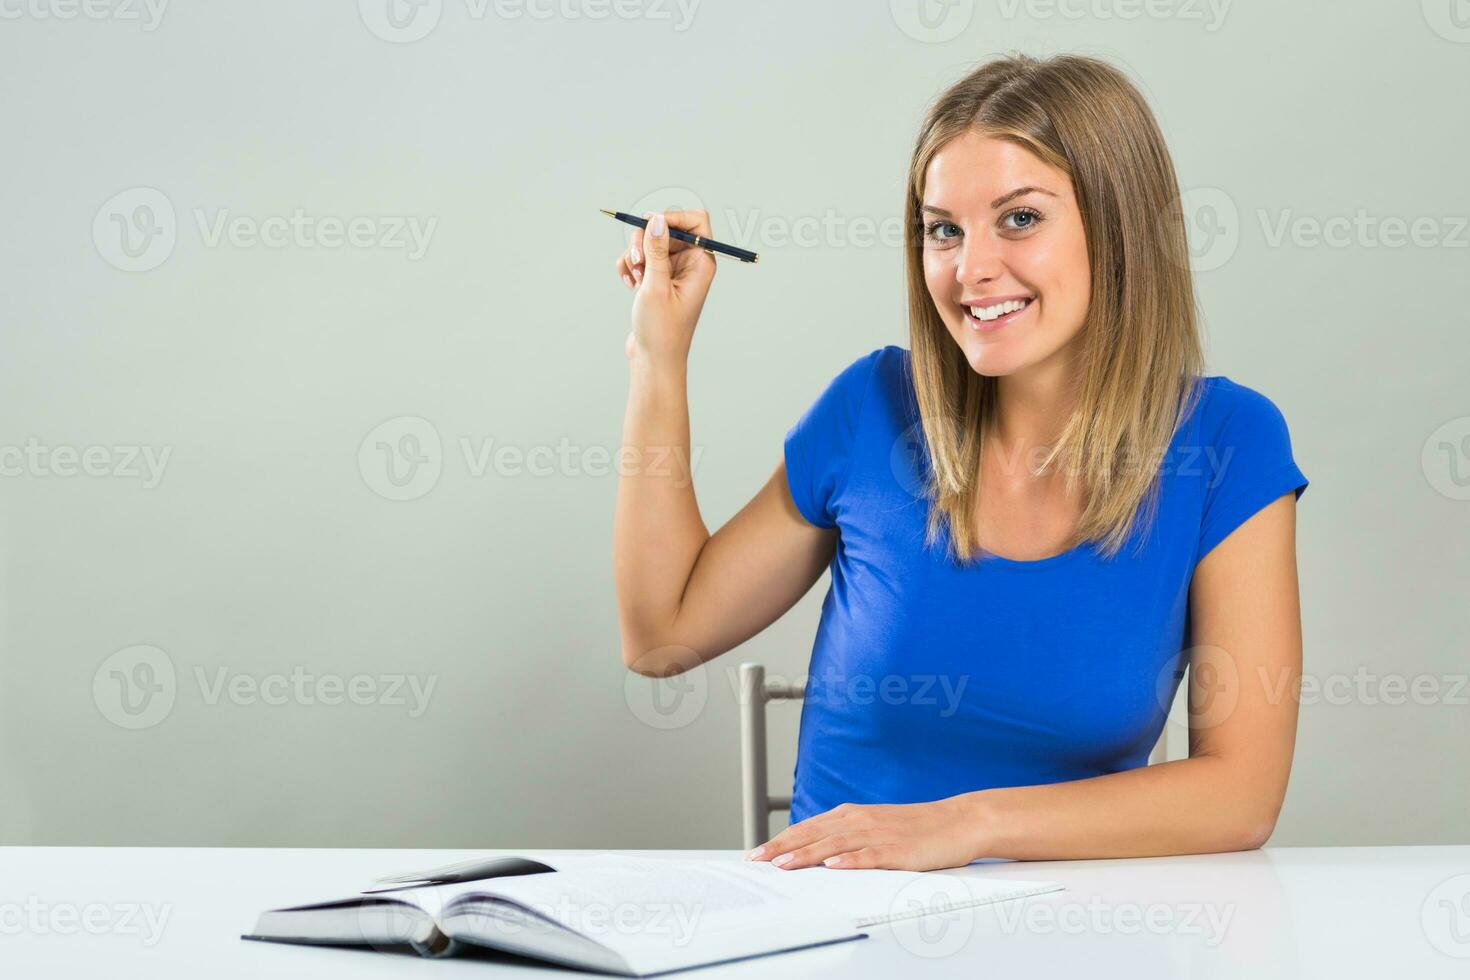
988 358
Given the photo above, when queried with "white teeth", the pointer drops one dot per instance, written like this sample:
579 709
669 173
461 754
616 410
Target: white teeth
984 313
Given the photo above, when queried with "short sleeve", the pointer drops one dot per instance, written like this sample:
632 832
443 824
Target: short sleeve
819 447
1247 462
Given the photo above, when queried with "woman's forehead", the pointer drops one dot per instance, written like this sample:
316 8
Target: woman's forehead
972 170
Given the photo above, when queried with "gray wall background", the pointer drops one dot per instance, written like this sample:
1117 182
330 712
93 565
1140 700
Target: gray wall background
277 378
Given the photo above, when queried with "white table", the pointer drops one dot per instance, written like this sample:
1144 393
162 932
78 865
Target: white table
1338 912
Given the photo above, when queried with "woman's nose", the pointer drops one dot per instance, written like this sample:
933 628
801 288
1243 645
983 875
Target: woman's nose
980 259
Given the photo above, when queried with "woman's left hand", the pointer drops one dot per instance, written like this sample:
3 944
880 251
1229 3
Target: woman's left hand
907 836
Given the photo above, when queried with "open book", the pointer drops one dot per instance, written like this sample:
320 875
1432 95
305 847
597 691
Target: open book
635 916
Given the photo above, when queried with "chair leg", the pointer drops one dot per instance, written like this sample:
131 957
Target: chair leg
754 796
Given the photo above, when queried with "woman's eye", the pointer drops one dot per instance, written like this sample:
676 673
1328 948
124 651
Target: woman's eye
939 232
1021 219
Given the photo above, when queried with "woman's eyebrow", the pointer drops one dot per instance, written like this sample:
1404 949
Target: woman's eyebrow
1018 192
1009 195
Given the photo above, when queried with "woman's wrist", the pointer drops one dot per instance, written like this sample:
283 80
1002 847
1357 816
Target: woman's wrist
659 367
979 817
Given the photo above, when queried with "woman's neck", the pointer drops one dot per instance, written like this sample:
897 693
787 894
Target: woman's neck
1033 405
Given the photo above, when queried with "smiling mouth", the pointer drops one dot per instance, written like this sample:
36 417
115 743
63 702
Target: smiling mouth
985 318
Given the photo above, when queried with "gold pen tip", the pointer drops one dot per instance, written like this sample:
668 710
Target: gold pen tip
610 214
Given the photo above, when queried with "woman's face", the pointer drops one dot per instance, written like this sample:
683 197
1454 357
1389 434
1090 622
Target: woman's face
1003 239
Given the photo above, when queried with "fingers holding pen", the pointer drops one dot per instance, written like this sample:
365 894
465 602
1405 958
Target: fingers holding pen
631 261
634 262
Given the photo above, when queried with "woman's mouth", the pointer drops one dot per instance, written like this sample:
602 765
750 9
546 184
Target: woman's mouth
988 315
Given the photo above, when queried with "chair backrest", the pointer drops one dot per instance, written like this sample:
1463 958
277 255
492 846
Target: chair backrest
756 802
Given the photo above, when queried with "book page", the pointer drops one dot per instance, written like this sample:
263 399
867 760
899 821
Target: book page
870 896
656 914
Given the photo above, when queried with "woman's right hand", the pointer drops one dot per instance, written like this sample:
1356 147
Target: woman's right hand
671 279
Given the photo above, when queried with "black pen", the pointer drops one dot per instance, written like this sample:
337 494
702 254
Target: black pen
708 244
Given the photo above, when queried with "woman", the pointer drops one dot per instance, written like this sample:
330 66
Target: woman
992 668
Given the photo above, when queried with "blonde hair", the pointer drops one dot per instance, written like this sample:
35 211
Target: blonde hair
1139 349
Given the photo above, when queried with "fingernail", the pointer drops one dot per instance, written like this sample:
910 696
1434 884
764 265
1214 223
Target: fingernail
834 859
781 861
657 225
637 275
633 252
755 855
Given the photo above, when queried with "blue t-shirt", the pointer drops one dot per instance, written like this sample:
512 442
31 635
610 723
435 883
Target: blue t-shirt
929 678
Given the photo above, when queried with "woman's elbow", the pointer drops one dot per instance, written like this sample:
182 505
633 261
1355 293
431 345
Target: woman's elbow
657 659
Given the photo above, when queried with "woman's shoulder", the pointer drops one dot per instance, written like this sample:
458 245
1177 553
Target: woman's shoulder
880 374
1229 409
